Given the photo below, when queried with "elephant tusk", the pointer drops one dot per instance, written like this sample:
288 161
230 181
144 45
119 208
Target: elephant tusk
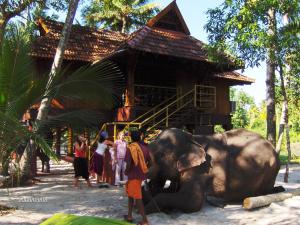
167 184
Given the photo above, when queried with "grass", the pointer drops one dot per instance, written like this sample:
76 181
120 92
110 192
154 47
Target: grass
67 219
283 156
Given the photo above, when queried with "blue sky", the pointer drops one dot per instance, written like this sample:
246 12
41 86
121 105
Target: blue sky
194 13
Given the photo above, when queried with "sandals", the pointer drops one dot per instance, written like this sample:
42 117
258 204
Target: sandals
129 220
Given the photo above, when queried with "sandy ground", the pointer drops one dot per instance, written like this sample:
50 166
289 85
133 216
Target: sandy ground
55 194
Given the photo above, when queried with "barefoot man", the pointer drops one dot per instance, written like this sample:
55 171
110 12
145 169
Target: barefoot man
137 157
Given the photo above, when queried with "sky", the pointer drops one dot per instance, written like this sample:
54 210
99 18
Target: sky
194 13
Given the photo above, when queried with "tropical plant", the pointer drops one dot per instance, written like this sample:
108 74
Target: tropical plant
253 31
244 103
12 8
119 15
21 88
58 58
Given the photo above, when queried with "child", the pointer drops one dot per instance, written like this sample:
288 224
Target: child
120 147
137 157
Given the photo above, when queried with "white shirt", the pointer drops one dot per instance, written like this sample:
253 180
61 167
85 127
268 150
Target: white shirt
101 148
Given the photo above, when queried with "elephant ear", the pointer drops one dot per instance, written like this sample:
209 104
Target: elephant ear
191 159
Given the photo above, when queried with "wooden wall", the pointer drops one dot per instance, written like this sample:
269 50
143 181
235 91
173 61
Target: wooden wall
222 97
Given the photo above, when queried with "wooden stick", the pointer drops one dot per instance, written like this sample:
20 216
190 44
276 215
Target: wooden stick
260 201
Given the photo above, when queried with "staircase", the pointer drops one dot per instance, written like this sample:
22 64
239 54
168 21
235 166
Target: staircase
192 107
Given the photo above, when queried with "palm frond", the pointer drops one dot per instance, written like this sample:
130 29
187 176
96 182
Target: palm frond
76 119
101 84
15 134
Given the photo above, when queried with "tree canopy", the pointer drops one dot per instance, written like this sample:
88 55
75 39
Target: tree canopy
119 15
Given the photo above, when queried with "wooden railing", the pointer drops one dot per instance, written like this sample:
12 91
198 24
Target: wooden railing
151 95
200 97
205 97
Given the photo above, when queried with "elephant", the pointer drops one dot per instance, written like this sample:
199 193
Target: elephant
232 166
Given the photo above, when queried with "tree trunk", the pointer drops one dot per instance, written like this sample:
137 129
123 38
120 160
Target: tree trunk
260 201
281 128
56 66
26 162
270 84
285 118
286 112
124 25
3 23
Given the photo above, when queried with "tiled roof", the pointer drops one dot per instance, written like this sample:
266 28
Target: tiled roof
233 75
88 44
85 44
167 42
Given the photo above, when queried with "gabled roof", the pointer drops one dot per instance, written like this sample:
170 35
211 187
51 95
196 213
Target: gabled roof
157 37
85 43
89 44
170 18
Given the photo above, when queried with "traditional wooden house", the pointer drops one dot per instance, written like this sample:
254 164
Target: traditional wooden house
170 80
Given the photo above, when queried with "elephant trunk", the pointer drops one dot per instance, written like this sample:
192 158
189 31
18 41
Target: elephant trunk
152 172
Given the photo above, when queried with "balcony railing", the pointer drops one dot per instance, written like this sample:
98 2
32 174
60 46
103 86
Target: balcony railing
150 95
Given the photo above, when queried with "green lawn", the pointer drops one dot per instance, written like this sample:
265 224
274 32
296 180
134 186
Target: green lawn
284 158
67 219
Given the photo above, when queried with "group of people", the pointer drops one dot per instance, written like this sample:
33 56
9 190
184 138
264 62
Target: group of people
114 162
108 161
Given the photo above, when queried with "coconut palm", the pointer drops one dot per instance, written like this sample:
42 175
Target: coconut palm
21 88
119 15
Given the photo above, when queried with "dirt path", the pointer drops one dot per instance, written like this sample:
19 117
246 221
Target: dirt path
55 194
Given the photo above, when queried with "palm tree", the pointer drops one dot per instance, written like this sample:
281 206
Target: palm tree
20 89
58 58
119 15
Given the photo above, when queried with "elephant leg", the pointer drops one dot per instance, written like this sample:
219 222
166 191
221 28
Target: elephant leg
152 188
187 199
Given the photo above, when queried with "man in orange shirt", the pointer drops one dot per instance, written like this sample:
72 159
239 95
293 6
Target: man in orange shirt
137 157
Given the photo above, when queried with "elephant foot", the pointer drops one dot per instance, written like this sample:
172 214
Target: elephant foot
152 207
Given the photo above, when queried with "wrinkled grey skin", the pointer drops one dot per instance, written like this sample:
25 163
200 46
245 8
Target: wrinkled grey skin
232 166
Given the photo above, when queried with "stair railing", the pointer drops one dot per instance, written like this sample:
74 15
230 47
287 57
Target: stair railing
201 97
169 110
152 111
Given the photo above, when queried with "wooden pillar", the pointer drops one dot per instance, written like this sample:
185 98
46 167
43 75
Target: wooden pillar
131 65
57 140
70 141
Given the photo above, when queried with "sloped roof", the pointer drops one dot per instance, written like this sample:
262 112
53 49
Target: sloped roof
170 18
90 44
233 75
85 44
167 42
